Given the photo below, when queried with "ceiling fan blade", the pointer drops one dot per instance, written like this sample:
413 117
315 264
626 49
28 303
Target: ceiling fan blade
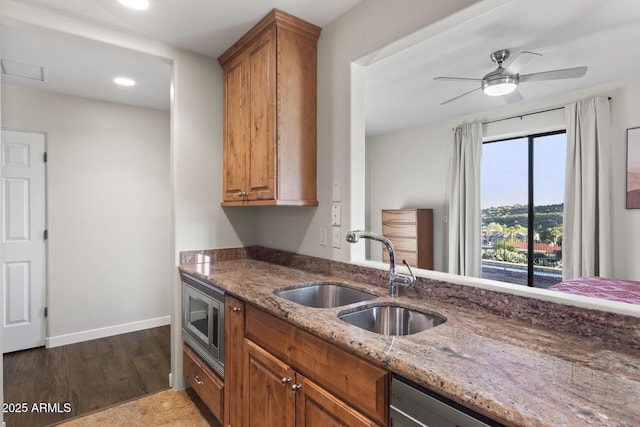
513 97
521 61
458 79
459 96
565 73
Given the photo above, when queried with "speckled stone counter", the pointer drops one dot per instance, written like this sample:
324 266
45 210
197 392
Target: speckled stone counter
520 361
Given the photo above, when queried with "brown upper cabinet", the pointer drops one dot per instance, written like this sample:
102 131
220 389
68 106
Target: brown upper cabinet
270 114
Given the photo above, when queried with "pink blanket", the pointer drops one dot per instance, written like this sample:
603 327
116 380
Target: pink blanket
600 287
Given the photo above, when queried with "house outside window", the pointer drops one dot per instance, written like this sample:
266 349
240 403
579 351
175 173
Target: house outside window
522 203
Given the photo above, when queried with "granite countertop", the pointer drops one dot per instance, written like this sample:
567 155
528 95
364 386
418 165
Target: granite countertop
518 373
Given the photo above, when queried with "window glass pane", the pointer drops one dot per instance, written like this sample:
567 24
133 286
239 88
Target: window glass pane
548 196
504 210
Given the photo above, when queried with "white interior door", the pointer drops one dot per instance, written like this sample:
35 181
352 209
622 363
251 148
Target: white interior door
23 240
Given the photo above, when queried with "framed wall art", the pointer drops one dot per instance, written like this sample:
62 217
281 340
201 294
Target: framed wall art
633 168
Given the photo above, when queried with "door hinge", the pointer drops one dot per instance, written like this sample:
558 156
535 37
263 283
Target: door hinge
44 157
46 234
46 311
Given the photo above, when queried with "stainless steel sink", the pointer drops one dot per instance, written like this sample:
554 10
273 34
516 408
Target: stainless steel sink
324 295
391 319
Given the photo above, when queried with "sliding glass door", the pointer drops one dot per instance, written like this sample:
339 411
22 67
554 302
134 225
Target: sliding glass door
522 204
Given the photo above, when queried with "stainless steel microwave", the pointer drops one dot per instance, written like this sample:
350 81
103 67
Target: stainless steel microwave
203 320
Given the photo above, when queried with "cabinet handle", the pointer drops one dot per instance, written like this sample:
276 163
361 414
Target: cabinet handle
296 387
236 309
198 380
285 381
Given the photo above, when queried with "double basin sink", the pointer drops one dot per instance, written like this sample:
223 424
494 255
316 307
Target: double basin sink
385 319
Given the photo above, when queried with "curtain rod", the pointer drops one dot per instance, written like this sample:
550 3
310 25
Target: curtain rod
527 114
520 116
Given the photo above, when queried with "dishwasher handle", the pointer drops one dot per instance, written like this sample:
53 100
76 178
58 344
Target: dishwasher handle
402 419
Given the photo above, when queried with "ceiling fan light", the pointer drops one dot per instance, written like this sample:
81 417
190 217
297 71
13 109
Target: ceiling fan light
500 86
499 89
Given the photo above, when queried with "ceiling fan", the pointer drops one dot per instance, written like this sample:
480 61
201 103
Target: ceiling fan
504 81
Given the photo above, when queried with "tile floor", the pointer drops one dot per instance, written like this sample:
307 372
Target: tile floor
166 408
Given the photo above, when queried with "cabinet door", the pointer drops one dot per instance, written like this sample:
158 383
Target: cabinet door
234 337
236 129
268 397
262 90
315 407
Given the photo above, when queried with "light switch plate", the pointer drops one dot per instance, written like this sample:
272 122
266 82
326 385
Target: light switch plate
336 191
323 236
336 213
336 237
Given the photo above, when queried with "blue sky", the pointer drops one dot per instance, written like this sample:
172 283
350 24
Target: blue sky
504 171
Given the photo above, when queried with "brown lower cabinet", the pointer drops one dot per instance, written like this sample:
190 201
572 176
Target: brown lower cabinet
276 374
204 381
277 395
293 378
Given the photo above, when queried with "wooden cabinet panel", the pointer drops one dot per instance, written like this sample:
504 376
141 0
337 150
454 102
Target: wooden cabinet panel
262 93
236 127
297 121
275 102
234 346
204 381
399 216
410 257
315 407
399 230
354 380
411 233
269 400
405 244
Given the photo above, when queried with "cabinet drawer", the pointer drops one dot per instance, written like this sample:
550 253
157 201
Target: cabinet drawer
203 381
411 257
404 244
399 216
399 230
352 379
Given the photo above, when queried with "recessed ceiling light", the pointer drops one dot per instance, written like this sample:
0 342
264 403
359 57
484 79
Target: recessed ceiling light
136 4
124 81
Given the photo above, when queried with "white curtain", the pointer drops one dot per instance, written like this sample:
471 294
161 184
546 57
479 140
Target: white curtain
586 248
463 201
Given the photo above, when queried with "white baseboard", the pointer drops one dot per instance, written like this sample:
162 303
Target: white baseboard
108 331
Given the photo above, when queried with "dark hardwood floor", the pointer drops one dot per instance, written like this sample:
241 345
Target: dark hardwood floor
87 376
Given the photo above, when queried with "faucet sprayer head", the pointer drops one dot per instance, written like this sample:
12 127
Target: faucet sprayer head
352 237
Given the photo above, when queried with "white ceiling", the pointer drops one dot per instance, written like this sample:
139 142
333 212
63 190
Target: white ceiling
204 26
79 67
400 91
83 68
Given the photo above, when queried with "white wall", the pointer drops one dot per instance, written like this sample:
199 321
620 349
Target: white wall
196 219
424 153
108 216
200 221
409 170
367 27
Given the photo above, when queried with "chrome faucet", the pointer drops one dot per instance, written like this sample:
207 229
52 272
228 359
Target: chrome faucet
395 277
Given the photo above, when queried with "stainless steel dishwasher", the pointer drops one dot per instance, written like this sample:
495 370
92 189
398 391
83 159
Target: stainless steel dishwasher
414 406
